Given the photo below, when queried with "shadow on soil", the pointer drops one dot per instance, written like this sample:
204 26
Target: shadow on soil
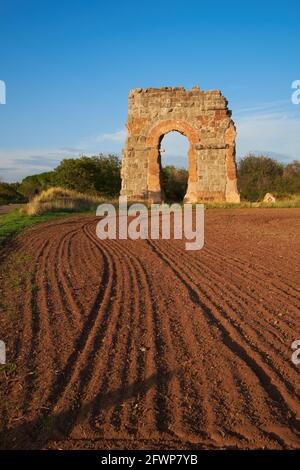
38 432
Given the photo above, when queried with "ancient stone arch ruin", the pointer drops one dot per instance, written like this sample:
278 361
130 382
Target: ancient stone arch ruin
203 117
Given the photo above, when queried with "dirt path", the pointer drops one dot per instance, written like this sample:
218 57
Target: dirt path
141 344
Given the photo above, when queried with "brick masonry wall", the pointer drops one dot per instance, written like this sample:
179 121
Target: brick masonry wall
203 117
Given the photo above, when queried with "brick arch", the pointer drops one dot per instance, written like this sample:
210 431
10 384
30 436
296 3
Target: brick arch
204 118
153 141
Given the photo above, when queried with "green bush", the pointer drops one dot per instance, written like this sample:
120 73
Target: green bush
291 178
94 175
9 193
34 184
174 183
97 175
259 175
100 176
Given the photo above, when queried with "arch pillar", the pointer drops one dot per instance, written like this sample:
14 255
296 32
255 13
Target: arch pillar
231 194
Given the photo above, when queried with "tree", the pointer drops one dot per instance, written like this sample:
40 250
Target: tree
174 183
291 177
258 175
34 184
95 175
9 193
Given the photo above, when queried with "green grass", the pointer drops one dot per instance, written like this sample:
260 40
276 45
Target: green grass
291 201
231 205
11 224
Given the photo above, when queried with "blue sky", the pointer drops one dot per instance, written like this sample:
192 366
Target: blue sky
68 66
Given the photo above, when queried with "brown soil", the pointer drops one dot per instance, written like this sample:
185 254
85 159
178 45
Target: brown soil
141 344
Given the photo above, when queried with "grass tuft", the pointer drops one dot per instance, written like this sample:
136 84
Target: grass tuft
60 199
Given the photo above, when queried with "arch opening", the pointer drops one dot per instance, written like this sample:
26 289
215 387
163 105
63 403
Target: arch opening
154 139
173 166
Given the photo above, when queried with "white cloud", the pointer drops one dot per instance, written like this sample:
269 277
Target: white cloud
118 136
267 107
15 164
274 133
112 142
269 128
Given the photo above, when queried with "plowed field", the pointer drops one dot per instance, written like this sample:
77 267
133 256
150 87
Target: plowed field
142 344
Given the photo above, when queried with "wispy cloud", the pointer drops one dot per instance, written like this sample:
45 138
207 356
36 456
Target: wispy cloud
118 136
105 142
273 133
266 128
15 164
266 107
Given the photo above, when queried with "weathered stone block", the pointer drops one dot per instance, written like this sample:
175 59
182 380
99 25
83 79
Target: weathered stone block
203 117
